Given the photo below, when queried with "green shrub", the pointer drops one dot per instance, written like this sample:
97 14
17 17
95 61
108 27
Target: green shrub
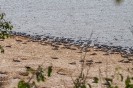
4 27
39 77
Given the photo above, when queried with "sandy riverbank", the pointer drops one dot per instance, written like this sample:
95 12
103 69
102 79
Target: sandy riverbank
33 54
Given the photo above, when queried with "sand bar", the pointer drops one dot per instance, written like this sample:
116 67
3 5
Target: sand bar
66 65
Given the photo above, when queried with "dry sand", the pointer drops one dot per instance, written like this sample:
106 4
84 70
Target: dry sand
33 54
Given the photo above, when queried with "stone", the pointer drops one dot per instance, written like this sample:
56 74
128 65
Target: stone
8 46
89 63
1 72
27 67
130 59
72 48
124 56
17 60
81 60
18 40
93 54
110 52
63 47
33 40
99 62
61 73
106 53
79 52
126 61
24 42
72 63
106 83
95 49
28 41
121 60
23 73
55 48
89 60
86 50
54 57
43 43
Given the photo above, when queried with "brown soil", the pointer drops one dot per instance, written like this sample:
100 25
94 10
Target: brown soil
33 54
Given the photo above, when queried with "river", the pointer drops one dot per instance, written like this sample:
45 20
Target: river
110 23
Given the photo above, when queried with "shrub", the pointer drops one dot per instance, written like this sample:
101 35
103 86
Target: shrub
4 27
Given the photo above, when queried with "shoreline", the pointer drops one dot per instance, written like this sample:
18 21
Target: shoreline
80 44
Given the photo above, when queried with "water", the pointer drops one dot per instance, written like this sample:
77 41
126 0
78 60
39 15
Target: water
110 22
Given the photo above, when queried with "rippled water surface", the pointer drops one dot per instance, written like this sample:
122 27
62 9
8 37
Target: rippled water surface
110 22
